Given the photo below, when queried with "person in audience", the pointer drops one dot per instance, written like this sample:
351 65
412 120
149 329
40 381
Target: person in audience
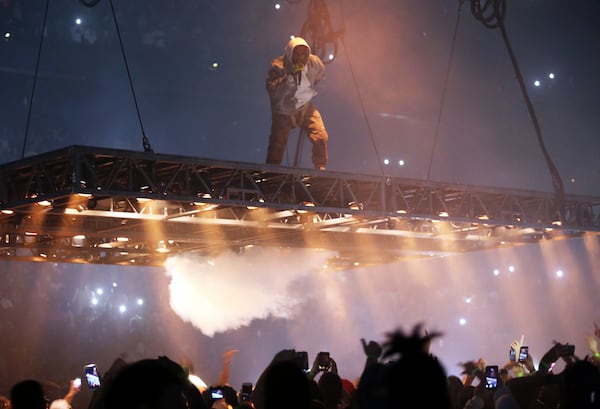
400 374
151 384
28 394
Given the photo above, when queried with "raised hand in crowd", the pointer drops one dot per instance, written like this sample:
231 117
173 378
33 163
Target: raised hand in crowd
372 350
556 352
472 370
227 358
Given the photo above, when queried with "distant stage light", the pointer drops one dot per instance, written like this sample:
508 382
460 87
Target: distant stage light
78 21
401 162
560 273
122 309
7 35
462 321
496 272
94 301
99 291
140 301
511 269
537 83
386 161
277 6
551 76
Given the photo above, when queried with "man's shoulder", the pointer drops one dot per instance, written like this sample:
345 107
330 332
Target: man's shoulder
278 61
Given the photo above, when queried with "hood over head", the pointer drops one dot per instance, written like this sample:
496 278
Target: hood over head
293 43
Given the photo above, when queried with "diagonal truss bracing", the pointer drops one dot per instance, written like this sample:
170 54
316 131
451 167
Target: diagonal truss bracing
97 205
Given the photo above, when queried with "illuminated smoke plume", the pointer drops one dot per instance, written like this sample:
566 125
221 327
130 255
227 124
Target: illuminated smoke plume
217 294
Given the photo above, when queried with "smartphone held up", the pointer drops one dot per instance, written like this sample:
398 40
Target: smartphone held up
91 376
491 376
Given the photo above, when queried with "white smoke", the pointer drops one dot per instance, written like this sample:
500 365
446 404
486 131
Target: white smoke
217 294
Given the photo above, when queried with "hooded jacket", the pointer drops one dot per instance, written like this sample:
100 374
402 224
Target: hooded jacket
281 85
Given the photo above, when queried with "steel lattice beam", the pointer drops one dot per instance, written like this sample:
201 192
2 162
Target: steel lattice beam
80 204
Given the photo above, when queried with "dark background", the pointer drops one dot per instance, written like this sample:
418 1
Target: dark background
381 99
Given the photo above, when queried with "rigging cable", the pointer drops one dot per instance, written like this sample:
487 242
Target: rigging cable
492 14
145 141
338 36
318 31
439 118
362 107
35 77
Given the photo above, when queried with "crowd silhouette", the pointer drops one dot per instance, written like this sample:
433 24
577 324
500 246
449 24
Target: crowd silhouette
398 373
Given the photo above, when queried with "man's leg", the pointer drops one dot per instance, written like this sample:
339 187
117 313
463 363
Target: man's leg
280 129
316 132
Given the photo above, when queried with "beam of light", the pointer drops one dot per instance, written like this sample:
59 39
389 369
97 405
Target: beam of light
239 288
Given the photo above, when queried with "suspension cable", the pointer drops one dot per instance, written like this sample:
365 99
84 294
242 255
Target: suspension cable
35 77
318 31
145 141
444 90
361 101
492 14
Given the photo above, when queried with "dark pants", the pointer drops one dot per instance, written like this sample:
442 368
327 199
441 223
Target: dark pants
309 119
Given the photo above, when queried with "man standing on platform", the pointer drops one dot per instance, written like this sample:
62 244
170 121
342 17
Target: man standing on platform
291 85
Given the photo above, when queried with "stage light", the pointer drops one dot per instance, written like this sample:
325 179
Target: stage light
496 272
78 240
8 211
560 273
122 309
277 6
356 206
537 83
251 207
140 301
305 204
162 247
511 269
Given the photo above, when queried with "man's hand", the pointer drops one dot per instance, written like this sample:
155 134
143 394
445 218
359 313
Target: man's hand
528 363
516 346
372 349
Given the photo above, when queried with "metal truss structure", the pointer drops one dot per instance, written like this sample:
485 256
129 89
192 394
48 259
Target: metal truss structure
105 206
